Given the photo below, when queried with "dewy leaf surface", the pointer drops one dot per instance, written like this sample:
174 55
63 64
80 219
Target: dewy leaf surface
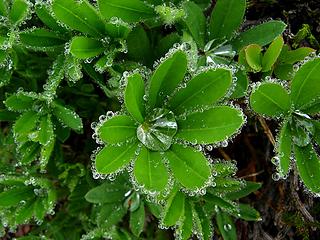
112 158
308 164
150 171
127 10
270 99
134 97
284 149
226 18
83 47
67 117
210 126
117 129
271 55
254 56
19 11
41 38
166 78
204 89
305 86
174 209
188 166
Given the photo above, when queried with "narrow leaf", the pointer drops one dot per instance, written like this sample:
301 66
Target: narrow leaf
250 187
185 229
202 222
174 209
271 55
19 11
248 213
137 220
83 47
46 131
44 13
226 226
67 117
284 149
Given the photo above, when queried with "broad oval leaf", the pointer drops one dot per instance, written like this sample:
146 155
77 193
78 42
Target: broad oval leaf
254 56
41 39
188 166
270 99
203 90
134 97
67 117
127 10
261 35
25 212
20 101
305 87
83 47
137 220
26 123
174 209
113 158
166 78
271 55
308 164
284 149
150 171
117 129
19 11
13 196
210 126
80 16
226 18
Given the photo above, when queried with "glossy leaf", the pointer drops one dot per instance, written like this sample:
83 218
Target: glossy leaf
20 102
13 196
261 34
83 47
113 158
44 13
305 87
26 123
246 190
270 99
226 226
46 130
117 129
134 97
166 78
150 171
248 213
19 11
67 117
293 56
25 213
203 90
185 229
174 209
41 39
242 84
226 18
271 55
137 220
254 56
284 149
188 166
202 222
29 152
79 15
210 126
308 164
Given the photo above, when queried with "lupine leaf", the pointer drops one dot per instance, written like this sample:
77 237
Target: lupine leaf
127 10
248 213
3 8
241 85
226 18
202 222
203 90
41 38
271 55
308 164
26 123
210 126
43 12
20 102
270 99
46 131
284 148
134 97
83 47
188 166
261 34
249 188
112 158
226 226
293 56
13 196
79 15
150 171
137 220
185 229
305 87
67 117
174 209
19 11
29 152
117 129
166 78
25 213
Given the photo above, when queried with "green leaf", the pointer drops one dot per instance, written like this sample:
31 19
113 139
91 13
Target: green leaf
44 13
166 78
110 215
188 166
210 126
46 131
150 171
7 115
83 47
39 209
117 129
261 35
202 222
174 209
250 187
112 158
26 123
13 196
316 135
3 8
305 87
284 71
67 117
226 18
20 102
248 213
284 148
271 55
308 164
19 11
202 90
254 56
29 152
80 16
107 193
137 219
222 203
196 22
184 230
134 97
127 10
270 99
226 226
25 213
241 85
293 56
118 29
41 39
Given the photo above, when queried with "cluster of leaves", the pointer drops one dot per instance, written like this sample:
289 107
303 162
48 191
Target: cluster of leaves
169 75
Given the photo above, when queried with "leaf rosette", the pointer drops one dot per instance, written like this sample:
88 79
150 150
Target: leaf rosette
164 118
